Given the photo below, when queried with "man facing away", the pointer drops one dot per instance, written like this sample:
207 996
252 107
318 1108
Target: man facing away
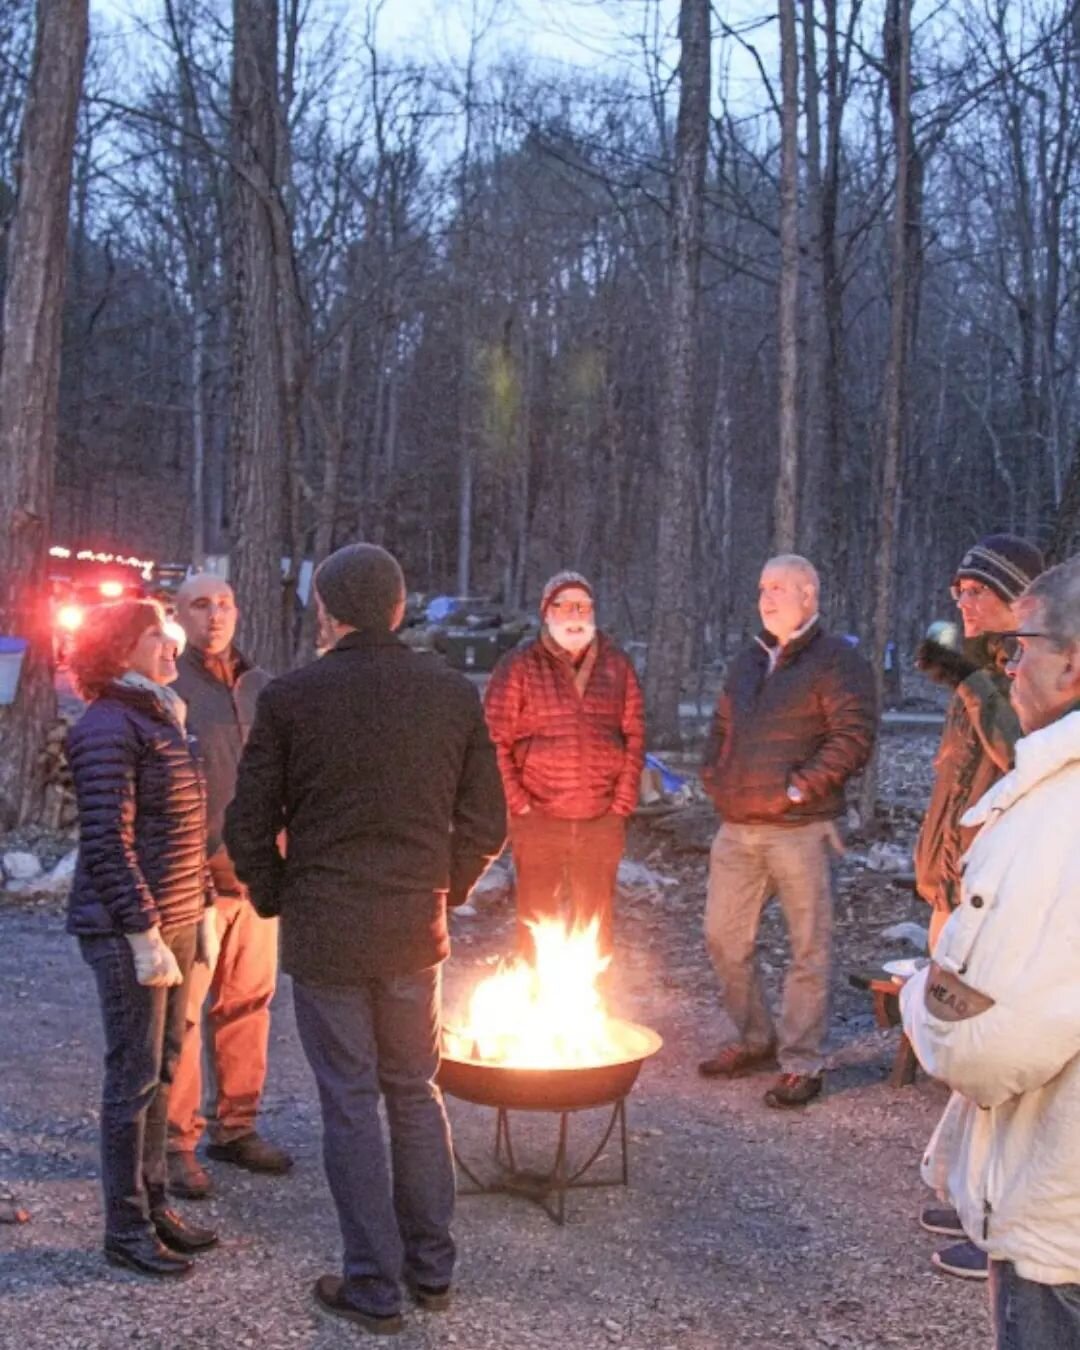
996 1015
231 996
377 763
568 722
794 721
981 729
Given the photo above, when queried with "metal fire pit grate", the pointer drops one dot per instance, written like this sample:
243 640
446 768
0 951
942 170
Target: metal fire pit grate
562 1092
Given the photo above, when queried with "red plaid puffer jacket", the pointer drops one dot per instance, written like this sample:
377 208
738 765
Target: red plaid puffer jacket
569 755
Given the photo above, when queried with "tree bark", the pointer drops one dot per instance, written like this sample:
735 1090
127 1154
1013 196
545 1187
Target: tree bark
258 451
906 247
675 589
29 387
785 523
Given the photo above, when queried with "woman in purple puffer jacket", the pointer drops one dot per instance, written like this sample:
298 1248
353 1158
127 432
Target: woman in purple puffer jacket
138 906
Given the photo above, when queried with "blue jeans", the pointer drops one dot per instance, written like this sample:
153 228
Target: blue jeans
382 1035
748 864
144 1028
1030 1316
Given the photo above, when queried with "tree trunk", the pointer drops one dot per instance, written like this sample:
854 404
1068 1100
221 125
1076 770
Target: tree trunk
675 589
1067 520
198 433
906 247
838 465
29 387
787 480
257 446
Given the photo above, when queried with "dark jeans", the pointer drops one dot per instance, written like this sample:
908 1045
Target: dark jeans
383 1035
1030 1316
572 860
144 1028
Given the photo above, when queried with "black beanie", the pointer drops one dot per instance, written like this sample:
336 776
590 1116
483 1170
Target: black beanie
1003 562
361 585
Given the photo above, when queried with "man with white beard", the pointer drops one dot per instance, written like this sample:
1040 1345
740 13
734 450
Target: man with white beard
568 721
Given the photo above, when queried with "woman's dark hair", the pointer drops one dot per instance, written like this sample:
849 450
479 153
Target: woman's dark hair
104 643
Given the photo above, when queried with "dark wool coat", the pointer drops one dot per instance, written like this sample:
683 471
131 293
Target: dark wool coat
573 756
376 762
221 718
811 724
142 818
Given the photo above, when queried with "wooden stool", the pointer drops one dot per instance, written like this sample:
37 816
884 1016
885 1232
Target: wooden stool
886 994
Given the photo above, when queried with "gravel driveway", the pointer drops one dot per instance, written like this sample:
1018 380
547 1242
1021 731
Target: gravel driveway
742 1227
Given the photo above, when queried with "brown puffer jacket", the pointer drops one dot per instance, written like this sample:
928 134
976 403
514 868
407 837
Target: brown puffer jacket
569 755
810 724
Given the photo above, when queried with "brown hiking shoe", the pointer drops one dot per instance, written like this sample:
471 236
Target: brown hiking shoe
253 1154
732 1061
794 1089
187 1177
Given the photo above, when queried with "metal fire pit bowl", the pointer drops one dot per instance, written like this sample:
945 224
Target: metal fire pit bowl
563 1089
560 1091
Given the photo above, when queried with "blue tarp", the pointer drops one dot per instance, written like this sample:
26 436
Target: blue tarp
671 782
440 608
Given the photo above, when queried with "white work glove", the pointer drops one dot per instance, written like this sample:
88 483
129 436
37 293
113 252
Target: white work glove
208 940
155 964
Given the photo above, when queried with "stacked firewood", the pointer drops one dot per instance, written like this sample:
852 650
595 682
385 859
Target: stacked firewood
59 812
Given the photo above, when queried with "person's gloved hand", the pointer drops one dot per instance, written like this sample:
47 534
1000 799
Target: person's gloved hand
208 940
940 655
155 965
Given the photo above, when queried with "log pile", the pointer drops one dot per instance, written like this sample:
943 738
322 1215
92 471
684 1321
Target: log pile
60 812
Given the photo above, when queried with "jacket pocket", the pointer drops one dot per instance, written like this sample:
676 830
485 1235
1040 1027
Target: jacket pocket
959 938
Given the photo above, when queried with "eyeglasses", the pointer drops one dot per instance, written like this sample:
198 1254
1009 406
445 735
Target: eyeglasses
968 594
582 607
1011 647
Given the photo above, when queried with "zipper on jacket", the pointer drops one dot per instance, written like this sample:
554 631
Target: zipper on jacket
988 1209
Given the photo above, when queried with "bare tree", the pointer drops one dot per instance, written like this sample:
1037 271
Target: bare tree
257 442
675 589
787 480
29 385
906 246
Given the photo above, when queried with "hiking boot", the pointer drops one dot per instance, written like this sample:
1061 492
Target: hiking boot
964 1260
431 1297
188 1178
732 1061
146 1254
253 1154
330 1296
794 1089
941 1220
179 1235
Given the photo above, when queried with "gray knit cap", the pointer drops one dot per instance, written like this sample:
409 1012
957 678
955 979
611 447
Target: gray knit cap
361 585
562 581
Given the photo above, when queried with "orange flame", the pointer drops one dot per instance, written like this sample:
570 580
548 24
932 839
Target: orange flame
543 1014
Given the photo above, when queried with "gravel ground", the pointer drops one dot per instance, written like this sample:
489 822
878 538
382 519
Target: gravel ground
741 1227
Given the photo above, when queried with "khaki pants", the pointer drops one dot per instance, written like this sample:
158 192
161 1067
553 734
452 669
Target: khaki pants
747 865
232 1002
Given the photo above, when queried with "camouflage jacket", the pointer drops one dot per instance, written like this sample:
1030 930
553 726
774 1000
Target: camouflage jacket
976 748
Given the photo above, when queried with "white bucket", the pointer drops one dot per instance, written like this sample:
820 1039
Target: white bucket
12 652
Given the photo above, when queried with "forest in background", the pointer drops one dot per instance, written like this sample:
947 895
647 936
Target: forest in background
504 316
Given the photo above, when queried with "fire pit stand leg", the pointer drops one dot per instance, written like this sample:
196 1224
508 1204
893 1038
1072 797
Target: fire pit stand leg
548 1189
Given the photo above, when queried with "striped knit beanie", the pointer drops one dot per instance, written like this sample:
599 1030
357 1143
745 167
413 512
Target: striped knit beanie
562 581
1003 562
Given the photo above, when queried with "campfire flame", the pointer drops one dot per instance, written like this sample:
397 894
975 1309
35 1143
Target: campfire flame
543 1014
